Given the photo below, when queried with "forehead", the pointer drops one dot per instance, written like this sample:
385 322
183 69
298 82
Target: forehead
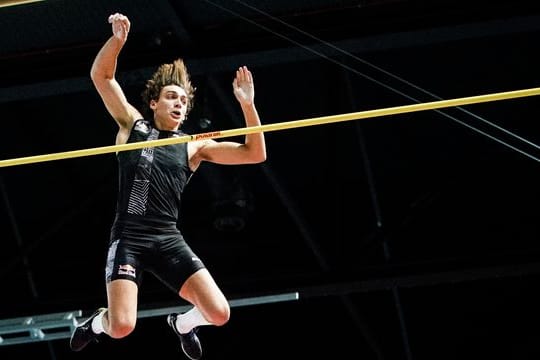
173 89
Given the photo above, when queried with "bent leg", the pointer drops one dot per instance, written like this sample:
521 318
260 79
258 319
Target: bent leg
121 317
201 290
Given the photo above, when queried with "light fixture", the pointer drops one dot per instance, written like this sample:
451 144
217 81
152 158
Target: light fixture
230 215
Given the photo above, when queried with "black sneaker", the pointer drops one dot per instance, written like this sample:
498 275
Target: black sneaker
190 342
83 334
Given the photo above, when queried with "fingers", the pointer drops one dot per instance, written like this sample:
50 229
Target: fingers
243 74
243 86
119 18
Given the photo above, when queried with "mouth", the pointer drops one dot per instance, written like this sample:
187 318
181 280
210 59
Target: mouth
176 114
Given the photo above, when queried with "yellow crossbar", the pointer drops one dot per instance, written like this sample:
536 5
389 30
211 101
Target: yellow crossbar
276 126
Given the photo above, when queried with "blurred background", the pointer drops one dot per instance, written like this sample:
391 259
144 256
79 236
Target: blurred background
412 236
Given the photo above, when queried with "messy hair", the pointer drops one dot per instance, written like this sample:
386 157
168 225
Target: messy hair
169 74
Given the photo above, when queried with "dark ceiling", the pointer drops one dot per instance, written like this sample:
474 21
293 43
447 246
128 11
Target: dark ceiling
411 236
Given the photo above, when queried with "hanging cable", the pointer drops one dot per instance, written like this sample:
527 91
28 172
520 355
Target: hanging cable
370 78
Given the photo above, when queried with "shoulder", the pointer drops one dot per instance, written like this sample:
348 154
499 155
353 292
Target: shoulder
197 147
140 126
198 151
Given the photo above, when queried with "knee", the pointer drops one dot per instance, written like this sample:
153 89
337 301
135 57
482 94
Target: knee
220 315
121 328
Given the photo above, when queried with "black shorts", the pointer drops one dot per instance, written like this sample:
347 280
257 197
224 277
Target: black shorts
141 245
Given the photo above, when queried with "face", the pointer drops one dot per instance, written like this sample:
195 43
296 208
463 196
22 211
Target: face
171 107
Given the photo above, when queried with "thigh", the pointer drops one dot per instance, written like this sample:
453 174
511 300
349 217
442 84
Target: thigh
122 301
123 275
201 289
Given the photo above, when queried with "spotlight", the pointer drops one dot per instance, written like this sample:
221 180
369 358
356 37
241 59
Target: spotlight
230 216
204 123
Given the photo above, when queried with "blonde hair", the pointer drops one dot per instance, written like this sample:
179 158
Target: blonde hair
169 74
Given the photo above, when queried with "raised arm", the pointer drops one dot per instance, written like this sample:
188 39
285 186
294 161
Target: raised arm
244 91
253 150
103 75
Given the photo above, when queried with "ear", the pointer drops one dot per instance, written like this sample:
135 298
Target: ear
153 104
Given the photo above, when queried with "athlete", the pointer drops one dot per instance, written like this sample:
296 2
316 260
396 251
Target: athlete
144 236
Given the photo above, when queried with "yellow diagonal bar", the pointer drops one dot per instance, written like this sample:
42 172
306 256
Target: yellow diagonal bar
277 126
7 3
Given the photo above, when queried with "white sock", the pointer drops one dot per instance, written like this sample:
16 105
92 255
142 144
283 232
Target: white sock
97 323
189 320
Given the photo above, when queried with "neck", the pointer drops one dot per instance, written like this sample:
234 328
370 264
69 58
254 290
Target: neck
161 127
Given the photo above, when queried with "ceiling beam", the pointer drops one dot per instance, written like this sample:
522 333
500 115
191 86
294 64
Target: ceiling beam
295 54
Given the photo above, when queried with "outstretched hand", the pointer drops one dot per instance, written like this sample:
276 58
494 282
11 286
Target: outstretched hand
120 26
243 87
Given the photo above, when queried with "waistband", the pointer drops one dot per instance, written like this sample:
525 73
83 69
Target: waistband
152 221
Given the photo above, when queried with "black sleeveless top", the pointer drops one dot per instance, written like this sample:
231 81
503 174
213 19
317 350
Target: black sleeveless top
151 180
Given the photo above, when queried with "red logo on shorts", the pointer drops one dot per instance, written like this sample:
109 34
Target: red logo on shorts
126 270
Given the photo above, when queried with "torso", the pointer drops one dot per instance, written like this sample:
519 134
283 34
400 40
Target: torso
152 179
